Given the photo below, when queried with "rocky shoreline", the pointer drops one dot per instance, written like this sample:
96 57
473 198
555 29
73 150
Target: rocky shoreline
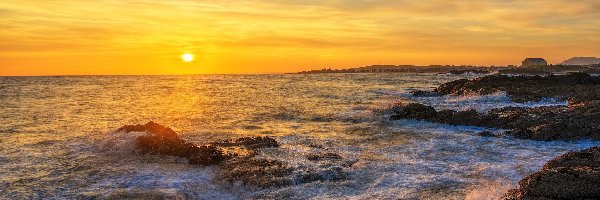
580 119
577 87
575 175
236 159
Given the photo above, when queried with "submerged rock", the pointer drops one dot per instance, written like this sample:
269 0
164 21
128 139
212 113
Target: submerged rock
574 175
262 173
257 172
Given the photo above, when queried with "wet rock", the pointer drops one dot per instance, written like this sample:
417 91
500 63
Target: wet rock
413 111
423 93
207 155
560 183
574 175
452 87
263 173
323 156
581 121
467 117
585 158
527 88
249 142
333 173
486 134
147 194
163 140
236 167
257 172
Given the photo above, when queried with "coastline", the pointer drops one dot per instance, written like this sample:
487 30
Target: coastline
576 121
335 141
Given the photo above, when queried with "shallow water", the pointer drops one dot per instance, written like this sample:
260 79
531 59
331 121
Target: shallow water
57 137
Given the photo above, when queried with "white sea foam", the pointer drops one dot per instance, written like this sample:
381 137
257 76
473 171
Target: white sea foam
482 103
119 142
129 174
489 190
55 156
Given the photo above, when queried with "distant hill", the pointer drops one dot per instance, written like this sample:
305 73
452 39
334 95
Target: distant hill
453 69
581 61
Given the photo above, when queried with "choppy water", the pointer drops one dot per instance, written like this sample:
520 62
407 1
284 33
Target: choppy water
57 140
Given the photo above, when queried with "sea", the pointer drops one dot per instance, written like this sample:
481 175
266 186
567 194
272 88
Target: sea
58 138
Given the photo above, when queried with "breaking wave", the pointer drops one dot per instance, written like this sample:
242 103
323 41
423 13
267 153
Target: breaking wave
481 103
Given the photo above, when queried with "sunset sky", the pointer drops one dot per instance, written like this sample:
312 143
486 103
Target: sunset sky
273 36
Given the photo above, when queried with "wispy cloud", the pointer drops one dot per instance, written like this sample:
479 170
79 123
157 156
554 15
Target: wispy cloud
141 33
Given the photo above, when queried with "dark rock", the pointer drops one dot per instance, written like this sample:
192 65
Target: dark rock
422 93
249 142
323 156
329 174
527 88
413 111
467 117
257 172
486 134
584 158
520 133
581 121
574 175
163 140
452 87
235 166
207 155
560 183
263 173
466 71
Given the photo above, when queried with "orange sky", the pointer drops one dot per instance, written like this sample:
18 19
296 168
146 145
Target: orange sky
252 36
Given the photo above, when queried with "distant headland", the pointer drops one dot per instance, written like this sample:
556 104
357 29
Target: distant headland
581 61
528 66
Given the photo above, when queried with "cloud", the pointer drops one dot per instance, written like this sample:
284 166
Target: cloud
307 27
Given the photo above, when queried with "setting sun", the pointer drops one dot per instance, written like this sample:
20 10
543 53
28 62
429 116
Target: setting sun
187 57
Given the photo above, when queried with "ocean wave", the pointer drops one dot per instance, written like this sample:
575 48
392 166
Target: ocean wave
491 190
481 103
117 142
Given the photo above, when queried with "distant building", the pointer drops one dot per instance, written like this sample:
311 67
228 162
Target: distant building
528 62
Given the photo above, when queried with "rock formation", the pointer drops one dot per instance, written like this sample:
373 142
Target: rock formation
234 166
524 88
579 121
574 175
163 140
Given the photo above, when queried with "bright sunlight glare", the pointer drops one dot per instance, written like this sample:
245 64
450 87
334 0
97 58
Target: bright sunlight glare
187 57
